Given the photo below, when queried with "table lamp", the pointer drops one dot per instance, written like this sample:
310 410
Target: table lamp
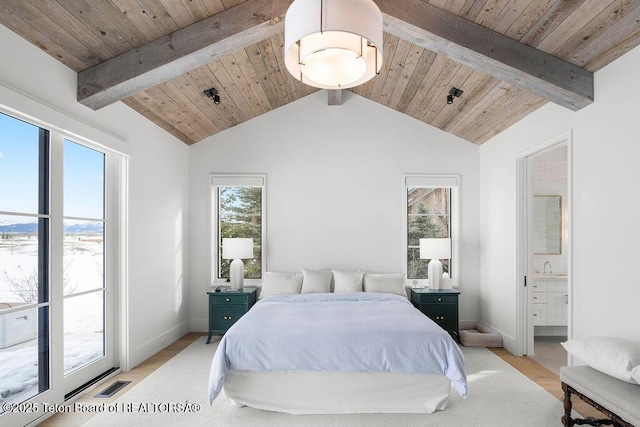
237 249
435 250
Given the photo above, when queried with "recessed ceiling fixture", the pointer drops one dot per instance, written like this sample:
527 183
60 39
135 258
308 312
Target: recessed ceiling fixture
453 93
333 44
213 93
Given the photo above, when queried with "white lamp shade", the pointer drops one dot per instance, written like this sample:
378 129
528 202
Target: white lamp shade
237 248
435 248
333 44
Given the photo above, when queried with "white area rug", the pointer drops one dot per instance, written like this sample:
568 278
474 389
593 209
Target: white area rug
498 396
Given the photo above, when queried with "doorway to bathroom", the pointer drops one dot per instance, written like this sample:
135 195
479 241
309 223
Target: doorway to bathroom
545 252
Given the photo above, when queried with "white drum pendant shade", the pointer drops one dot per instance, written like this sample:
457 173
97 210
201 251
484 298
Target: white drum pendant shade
333 44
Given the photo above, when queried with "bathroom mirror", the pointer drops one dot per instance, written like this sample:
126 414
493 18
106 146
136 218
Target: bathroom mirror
547 224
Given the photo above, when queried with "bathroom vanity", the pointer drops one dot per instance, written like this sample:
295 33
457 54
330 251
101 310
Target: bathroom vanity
550 301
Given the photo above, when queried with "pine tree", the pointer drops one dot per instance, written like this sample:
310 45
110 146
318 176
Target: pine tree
241 216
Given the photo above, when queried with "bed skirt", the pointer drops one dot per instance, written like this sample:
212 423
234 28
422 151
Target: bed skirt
297 392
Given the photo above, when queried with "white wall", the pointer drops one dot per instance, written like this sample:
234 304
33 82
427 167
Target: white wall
158 188
334 188
606 207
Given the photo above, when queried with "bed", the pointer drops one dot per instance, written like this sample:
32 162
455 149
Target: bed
337 353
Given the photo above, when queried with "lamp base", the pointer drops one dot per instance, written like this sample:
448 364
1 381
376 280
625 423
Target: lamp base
435 274
236 274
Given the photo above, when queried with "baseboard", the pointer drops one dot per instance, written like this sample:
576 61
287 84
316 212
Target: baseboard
140 353
508 341
550 331
199 325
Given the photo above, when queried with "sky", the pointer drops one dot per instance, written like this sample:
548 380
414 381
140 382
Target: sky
83 173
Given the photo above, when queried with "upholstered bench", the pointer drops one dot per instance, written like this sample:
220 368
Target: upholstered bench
616 399
476 334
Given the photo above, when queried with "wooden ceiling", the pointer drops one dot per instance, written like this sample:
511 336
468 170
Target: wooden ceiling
158 56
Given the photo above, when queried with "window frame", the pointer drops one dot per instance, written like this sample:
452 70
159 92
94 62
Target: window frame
451 181
235 180
59 127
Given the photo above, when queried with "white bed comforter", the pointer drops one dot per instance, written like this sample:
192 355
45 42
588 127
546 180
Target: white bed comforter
353 332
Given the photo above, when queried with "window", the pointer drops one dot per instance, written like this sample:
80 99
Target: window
83 255
24 260
58 227
238 203
430 206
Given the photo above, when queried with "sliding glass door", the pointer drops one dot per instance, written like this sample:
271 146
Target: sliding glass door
57 234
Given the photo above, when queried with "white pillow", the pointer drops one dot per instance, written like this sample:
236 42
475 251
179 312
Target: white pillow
635 374
315 281
347 281
386 283
616 357
280 283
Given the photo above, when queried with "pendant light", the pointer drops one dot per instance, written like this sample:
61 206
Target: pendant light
333 44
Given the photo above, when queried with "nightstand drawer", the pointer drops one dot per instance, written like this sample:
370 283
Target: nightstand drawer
222 299
437 299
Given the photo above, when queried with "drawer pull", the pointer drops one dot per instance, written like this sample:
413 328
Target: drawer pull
439 299
228 299
439 317
227 317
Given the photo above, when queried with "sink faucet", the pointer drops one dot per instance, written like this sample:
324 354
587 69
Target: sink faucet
544 271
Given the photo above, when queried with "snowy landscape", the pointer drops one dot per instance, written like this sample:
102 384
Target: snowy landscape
83 314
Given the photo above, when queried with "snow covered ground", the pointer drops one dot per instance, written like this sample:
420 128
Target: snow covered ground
83 315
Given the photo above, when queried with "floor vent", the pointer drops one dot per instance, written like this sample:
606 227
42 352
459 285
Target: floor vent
112 389
78 391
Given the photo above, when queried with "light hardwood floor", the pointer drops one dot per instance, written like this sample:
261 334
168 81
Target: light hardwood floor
135 375
545 378
530 368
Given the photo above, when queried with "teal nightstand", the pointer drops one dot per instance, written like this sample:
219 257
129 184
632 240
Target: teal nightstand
440 305
227 306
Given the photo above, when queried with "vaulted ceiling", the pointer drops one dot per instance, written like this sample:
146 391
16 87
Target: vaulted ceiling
158 57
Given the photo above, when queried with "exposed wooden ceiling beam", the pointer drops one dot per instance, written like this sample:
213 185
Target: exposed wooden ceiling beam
181 51
413 20
334 96
487 51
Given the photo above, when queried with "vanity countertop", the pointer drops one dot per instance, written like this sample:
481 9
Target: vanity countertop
550 276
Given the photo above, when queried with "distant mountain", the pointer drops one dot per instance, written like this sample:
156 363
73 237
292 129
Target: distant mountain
32 228
21 228
84 228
